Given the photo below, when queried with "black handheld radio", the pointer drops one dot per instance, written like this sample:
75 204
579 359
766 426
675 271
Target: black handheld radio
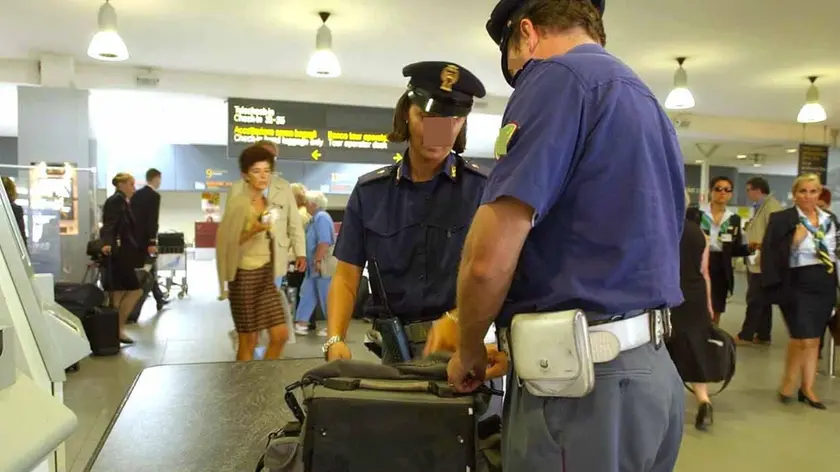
395 345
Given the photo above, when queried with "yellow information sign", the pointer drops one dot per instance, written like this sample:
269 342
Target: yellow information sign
316 154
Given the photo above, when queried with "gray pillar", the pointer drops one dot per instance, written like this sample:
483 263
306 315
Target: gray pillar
54 128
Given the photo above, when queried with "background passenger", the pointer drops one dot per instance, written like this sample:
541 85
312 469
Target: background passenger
320 237
245 262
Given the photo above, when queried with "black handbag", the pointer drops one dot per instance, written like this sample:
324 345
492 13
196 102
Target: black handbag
362 416
721 355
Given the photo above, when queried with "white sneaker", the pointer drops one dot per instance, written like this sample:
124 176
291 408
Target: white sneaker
301 330
322 332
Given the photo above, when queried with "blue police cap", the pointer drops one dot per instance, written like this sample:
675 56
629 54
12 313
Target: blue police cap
442 88
505 10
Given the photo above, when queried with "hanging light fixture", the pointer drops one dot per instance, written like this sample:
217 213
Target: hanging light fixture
812 111
107 45
680 97
323 62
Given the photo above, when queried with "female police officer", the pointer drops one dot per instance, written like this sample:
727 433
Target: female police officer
412 217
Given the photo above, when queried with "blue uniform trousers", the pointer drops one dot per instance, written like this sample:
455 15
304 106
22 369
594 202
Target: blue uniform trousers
313 291
631 422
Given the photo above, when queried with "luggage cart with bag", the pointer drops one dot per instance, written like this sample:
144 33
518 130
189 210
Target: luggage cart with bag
172 259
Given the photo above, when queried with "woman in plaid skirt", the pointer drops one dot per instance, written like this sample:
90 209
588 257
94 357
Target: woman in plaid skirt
244 260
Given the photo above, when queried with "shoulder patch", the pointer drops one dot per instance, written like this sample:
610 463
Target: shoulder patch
506 133
378 174
472 166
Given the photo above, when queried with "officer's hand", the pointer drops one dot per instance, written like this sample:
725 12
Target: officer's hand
467 370
106 250
442 337
338 351
497 362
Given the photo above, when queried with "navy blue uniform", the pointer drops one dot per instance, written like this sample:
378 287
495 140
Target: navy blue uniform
586 145
415 230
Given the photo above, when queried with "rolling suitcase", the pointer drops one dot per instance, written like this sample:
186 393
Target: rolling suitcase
102 328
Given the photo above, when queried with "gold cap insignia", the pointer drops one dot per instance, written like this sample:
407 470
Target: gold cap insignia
449 76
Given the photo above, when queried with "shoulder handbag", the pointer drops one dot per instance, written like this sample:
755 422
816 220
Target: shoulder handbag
720 353
329 264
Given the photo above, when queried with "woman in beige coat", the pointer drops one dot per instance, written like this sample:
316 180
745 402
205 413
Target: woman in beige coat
248 257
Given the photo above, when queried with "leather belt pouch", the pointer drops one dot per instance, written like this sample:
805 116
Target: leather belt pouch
552 356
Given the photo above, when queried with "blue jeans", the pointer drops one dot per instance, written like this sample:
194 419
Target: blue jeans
313 291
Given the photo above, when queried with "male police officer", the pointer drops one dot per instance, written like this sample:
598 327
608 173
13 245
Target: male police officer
412 217
547 240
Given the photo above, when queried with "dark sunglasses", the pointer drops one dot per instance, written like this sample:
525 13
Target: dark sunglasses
723 189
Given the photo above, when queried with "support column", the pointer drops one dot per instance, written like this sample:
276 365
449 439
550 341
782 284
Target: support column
704 182
53 128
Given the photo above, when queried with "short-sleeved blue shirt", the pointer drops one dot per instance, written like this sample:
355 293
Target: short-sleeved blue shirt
585 143
320 230
415 230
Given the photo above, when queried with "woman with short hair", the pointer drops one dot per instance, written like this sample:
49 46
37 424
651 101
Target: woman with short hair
798 268
245 261
320 238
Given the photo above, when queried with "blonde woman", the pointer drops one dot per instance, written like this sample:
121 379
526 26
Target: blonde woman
123 253
798 267
246 262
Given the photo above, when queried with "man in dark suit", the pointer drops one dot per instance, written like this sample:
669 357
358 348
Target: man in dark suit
145 205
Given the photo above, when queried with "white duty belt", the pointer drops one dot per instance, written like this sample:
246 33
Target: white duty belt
609 339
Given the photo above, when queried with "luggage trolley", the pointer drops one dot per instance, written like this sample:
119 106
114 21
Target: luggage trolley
172 258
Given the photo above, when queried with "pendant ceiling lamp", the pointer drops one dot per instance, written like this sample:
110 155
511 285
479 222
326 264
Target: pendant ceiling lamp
812 111
107 45
680 97
323 62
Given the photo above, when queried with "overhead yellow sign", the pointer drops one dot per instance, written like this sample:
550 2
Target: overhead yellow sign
316 154
297 137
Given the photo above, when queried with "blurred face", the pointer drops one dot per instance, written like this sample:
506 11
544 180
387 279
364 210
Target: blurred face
442 133
155 183
127 187
258 176
806 195
721 192
754 194
311 208
300 199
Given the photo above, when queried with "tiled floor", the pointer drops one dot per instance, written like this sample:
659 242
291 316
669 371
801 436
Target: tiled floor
752 432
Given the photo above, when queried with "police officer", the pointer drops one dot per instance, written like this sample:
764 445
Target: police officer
412 216
584 210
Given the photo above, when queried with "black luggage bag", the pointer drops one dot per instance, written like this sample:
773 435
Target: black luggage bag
78 299
102 328
362 417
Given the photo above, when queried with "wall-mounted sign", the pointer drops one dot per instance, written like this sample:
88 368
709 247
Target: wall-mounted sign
313 131
813 159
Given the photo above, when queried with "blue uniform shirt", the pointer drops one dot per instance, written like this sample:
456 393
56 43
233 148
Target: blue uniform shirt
320 230
415 230
587 146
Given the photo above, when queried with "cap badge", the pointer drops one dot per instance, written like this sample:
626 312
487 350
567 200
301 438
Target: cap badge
449 76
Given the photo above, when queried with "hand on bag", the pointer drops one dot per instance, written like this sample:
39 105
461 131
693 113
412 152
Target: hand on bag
442 337
106 250
497 362
467 369
152 250
754 246
339 351
300 264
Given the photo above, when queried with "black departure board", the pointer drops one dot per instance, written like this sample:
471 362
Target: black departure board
813 159
313 131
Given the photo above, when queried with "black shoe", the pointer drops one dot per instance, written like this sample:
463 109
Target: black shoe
813 404
785 399
126 340
705 416
162 304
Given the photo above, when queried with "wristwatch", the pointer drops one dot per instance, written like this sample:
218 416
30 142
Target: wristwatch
330 342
